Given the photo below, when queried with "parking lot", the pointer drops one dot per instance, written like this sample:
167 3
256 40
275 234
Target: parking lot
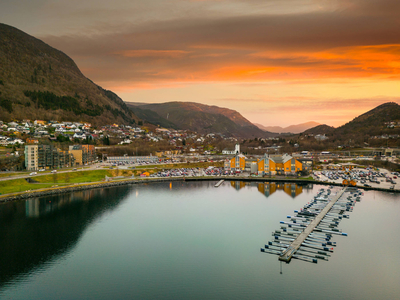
363 177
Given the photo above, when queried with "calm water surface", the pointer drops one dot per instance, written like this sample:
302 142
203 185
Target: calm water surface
189 240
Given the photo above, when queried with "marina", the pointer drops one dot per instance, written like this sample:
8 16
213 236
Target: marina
313 226
190 240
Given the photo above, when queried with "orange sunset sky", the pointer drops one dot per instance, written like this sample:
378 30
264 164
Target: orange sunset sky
278 62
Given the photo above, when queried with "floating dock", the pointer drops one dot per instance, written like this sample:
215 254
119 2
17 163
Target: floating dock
219 183
295 245
307 235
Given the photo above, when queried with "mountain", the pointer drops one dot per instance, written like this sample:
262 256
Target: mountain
380 121
292 128
198 117
40 82
320 129
276 129
373 122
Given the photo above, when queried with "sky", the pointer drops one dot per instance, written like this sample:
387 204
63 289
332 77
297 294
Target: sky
277 62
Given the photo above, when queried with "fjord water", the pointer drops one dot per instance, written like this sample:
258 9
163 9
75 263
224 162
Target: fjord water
189 240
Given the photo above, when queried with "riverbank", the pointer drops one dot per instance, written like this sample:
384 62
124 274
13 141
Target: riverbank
101 184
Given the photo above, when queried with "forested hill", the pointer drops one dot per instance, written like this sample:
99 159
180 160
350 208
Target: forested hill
198 117
40 82
382 122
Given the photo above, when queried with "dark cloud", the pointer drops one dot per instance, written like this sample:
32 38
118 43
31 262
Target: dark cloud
190 47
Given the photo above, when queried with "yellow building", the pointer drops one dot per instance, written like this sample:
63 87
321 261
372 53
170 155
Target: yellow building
238 163
77 153
268 165
278 164
168 153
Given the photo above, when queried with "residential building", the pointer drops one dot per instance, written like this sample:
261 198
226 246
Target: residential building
267 165
46 157
31 157
278 164
83 154
238 163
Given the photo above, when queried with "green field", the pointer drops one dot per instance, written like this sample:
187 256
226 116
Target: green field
12 174
48 180
20 185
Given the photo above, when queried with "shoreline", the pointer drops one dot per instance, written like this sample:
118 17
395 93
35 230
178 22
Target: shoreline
87 186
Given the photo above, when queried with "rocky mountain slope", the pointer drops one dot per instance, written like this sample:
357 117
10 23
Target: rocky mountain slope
40 82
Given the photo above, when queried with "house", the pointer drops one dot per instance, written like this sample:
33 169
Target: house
39 122
79 135
32 141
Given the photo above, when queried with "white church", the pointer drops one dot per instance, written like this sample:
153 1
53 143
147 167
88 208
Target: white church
232 152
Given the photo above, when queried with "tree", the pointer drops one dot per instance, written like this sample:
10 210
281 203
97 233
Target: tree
106 140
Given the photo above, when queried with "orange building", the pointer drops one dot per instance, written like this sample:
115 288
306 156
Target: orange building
32 141
238 163
278 164
267 165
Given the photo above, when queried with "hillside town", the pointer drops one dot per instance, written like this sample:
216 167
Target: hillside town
55 145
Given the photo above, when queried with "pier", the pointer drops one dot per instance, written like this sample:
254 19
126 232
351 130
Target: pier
301 238
219 183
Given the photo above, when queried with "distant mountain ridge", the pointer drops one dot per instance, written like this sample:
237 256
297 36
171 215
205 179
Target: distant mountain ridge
198 117
292 128
40 82
383 120
320 129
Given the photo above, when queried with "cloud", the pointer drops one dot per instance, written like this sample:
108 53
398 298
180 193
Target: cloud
346 41
330 111
152 53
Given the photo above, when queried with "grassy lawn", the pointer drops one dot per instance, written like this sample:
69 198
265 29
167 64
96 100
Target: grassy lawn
61 179
49 180
73 177
20 185
8 174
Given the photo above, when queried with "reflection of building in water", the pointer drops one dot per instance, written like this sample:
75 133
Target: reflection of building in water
268 188
238 184
37 207
32 208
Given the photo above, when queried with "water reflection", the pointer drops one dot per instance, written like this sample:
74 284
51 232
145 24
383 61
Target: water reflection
36 231
268 188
